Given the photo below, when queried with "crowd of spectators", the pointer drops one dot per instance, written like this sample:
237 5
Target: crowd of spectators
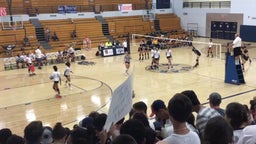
173 123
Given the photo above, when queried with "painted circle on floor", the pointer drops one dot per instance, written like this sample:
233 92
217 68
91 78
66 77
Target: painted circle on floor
163 68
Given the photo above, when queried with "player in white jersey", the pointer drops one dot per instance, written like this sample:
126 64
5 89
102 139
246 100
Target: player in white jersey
169 57
210 48
56 79
67 75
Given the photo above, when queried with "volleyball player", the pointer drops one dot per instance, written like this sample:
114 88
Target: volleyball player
169 57
56 80
142 50
67 75
127 59
156 58
210 48
198 54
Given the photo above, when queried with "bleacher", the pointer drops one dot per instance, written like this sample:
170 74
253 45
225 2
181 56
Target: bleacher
120 26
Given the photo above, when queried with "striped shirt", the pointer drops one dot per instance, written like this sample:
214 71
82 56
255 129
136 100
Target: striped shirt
203 116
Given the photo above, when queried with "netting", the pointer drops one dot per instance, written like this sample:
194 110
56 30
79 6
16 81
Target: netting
173 43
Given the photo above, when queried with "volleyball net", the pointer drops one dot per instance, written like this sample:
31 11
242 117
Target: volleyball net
174 43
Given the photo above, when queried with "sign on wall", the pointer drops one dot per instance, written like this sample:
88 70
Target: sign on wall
124 7
67 9
3 11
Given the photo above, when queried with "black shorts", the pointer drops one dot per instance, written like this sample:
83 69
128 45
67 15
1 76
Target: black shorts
237 51
56 82
156 58
169 57
127 62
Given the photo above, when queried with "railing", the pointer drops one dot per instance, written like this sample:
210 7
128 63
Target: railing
80 8
211 4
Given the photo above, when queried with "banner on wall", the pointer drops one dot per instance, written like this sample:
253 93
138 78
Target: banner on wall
124 7
3 11
67 9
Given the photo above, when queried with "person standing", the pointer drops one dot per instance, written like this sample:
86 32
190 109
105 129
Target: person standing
39 57
47 34
237 43
67 75
169 57
210 48
56 80
125 45
127 59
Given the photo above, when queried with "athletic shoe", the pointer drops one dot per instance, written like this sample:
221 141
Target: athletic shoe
58 96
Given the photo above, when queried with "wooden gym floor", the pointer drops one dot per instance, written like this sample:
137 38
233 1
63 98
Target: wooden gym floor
24 98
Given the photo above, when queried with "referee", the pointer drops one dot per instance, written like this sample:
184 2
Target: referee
237 48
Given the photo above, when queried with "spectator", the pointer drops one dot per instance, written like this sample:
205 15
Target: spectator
47 34
135 129
14 139
180 108
215 101
162 122
150 134
26 41
39 57
248 135
124 139
55 37
33 132
108 44
47 136
5 133
253 110
59 133
237 117
218 131
203 113
79 136
73 34
98 124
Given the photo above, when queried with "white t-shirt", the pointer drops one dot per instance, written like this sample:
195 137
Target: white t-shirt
168 52
67 71
125 44
28 60
248 135
38 53
237 134
56 76
210 44
189 138
237 42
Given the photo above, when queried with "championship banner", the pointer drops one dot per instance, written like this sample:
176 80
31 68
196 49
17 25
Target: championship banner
124 7
3 11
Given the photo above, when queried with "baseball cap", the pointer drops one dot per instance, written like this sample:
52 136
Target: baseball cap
215 98
156 106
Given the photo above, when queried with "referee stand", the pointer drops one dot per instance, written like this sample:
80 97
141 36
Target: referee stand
233 72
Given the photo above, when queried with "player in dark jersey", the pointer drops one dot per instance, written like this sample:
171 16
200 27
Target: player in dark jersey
198 54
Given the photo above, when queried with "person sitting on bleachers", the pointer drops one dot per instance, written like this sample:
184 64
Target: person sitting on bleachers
73 34
26 41
55 37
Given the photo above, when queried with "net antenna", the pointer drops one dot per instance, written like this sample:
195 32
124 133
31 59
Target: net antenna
202 46
16 23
